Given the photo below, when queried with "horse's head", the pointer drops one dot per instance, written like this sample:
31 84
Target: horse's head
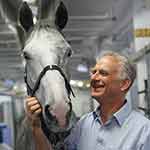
45 46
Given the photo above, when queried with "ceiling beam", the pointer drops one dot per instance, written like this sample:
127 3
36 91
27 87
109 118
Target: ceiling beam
8 41
9 49
106 17
80 38
83 29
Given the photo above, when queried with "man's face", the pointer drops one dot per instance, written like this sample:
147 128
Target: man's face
105 82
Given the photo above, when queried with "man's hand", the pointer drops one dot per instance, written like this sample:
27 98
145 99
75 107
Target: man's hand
34 110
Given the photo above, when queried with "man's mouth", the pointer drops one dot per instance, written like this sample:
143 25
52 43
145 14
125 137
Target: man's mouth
97 84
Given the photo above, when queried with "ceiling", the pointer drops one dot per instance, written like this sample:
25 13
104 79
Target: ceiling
92 26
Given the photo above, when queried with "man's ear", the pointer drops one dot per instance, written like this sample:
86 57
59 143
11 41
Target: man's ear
125 84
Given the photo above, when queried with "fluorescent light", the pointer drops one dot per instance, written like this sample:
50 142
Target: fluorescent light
29 1
88 85
72 82
80 84
34 20
82 68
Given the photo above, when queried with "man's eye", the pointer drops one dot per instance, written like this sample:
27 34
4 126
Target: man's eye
93 71
100 72
103 72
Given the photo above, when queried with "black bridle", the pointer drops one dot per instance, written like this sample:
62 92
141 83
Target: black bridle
32 92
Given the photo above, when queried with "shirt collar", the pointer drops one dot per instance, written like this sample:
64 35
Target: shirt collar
96 113
120 115
123 112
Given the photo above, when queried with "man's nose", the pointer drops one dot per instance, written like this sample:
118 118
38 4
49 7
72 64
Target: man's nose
95 76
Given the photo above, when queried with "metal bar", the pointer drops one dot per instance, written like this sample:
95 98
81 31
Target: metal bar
79 38
8 41
148 85
10 49
83 29
92 18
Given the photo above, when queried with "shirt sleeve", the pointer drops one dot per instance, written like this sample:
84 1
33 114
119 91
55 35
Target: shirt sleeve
146 143
146 138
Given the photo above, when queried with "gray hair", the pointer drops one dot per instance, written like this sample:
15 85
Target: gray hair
128 68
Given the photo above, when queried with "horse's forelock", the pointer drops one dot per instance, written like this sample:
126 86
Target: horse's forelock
48 39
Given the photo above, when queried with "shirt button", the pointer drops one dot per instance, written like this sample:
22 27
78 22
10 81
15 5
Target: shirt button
100 140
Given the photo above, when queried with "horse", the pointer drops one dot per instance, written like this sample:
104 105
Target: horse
46 52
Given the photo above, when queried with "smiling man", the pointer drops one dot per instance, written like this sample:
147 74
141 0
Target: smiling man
114 125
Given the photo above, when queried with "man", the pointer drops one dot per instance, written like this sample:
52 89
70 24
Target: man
114 125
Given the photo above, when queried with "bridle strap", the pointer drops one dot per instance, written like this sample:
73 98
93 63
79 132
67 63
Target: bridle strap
31 91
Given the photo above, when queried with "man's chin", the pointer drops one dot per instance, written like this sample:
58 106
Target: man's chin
97 93
93 96
96 96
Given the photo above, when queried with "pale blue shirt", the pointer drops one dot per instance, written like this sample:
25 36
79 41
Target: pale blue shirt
127 129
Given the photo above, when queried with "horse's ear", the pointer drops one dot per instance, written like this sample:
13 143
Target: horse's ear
61 16
25 16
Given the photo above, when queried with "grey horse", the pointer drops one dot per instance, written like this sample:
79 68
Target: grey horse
46 52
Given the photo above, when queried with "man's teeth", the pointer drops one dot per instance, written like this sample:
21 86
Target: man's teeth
98 86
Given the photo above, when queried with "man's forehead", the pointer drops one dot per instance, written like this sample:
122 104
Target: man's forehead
107 62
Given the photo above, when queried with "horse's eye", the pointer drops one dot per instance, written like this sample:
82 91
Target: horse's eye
26 55
69 52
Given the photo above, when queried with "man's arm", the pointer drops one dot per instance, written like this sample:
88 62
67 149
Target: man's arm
33 116
41 142
146 143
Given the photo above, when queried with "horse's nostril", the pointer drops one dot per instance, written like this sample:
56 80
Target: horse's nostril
49 115
26 55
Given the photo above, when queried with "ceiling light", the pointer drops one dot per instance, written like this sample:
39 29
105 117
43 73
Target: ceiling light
82 68
72 82
29 1
34 20
88 85
80 84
